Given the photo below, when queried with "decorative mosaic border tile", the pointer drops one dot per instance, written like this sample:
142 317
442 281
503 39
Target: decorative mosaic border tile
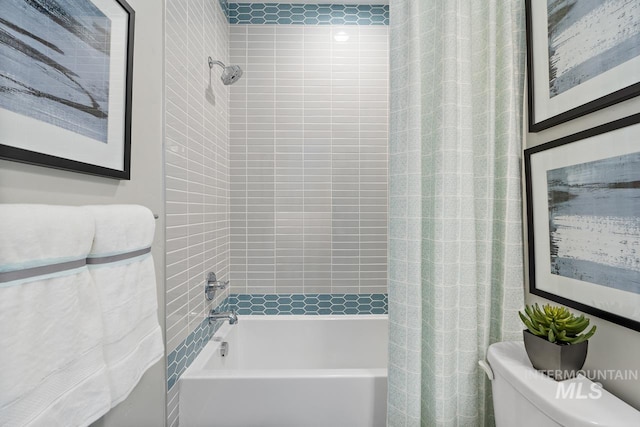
224 5
312 304
182 357
308 14
281 304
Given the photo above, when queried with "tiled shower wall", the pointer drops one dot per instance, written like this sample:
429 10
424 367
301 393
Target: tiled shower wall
196 166
308 159
295 202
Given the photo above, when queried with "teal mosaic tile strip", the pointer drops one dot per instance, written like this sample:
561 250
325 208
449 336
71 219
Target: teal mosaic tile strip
224 5
311 304
307 14
182 357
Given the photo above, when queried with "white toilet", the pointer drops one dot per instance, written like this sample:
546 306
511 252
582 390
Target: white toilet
524 397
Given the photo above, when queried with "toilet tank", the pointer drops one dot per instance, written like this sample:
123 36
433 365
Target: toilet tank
525 397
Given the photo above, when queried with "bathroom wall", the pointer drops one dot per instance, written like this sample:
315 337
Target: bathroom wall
612 347
196 173
21 183
284 174
308 152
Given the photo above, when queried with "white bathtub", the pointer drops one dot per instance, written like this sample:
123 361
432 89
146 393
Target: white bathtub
297 371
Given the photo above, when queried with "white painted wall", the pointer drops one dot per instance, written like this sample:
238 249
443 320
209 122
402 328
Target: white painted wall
20 183
612 347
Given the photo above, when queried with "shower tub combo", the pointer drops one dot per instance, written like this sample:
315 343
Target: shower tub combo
285 371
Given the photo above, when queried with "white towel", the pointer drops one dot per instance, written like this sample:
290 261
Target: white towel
127 292
52 368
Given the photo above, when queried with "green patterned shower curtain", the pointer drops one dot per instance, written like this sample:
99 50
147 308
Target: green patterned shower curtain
455 248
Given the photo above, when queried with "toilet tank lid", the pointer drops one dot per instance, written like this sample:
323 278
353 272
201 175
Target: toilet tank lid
574 402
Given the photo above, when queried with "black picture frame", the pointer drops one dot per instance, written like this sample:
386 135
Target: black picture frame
94 134
602 90
601 145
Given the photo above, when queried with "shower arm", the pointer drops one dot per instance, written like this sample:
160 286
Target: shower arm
211 62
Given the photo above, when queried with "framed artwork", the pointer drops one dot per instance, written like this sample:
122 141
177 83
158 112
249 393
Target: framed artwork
583 219
581 56
65 84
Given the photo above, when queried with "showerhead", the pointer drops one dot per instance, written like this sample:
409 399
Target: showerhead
230 74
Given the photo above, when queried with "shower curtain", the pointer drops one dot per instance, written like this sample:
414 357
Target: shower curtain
455 237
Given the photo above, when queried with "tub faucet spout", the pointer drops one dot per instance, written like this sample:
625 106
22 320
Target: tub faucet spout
225 315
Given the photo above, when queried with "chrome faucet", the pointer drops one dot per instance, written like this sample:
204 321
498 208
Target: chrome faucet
225 315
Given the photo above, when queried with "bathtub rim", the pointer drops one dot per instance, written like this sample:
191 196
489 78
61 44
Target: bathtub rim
197 370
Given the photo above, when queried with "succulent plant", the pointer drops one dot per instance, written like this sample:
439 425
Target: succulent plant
556 324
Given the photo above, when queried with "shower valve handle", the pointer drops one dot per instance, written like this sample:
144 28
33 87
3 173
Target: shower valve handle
213 285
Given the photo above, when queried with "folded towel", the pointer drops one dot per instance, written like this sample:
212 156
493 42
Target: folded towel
121 265
52 368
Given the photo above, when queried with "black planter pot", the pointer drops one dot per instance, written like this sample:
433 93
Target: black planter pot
558 361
